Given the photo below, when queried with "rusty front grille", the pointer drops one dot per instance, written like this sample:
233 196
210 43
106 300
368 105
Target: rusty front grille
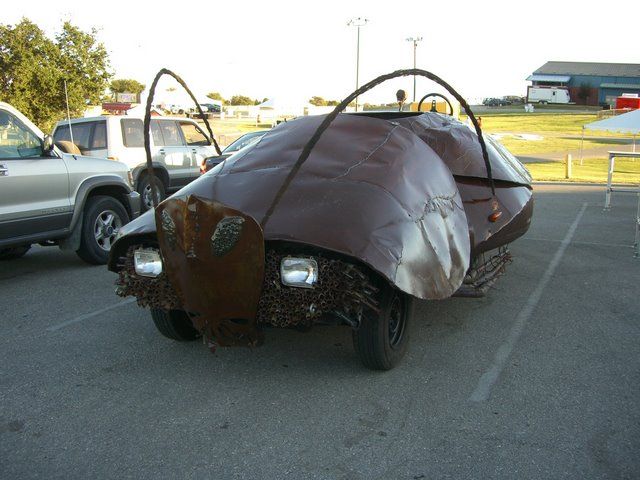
342 289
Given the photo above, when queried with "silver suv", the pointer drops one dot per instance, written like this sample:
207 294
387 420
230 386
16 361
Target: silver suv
52 198
178 148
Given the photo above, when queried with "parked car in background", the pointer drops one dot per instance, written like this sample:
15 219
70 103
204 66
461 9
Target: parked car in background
178 145
493 102
177 109
244 141
211 107
50 197
513 99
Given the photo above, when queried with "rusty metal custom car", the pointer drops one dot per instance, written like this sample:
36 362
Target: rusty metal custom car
343 218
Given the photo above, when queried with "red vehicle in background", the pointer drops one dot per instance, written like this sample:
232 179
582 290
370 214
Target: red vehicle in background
628 101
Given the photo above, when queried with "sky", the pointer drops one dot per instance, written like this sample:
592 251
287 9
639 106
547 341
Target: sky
298 49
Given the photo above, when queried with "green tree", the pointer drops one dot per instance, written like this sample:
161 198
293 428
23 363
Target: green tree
34 68
216 96
241 100
317 101
29 77
85 63
126 85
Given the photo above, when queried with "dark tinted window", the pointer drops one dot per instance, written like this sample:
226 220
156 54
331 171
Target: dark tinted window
132 132
81 134
170 134
99 138
156 133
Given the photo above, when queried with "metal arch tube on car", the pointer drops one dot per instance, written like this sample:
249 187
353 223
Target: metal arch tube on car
328 119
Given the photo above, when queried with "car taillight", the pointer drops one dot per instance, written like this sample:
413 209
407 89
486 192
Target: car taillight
203 166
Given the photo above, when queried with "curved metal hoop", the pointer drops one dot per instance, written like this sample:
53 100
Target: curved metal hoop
147 123
304 155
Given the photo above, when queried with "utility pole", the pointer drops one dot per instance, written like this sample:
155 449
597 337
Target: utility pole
357 22
415 41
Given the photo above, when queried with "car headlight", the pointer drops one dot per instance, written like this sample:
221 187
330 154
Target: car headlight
147 262
299 272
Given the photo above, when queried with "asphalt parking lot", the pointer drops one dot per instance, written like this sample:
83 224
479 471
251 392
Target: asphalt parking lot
540 379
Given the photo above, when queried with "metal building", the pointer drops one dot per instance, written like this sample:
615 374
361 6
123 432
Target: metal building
590 83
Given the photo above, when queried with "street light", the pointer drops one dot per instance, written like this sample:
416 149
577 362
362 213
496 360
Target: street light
415 46
357 22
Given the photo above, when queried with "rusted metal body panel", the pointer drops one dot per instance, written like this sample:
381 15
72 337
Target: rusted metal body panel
371 189
516 205
405 195
214 258
459 148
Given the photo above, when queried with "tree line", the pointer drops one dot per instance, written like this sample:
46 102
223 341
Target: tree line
34 69
38 74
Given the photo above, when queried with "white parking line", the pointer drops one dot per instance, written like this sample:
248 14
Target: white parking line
87 316
489 378
597 244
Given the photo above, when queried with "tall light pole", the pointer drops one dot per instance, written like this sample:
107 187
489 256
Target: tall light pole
357 22
415 41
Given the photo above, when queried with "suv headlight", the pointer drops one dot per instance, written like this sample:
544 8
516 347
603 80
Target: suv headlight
147 262
299 272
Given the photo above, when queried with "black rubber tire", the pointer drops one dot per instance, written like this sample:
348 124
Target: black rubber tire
12 253
174 324
372 339
144 184
90 251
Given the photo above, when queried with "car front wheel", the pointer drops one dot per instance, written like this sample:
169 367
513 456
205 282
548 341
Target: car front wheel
102 219
382 338
174 324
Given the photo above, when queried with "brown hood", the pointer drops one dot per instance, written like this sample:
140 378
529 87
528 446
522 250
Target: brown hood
370 189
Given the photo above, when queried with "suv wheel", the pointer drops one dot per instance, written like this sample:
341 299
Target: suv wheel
103 217
144 189
12 253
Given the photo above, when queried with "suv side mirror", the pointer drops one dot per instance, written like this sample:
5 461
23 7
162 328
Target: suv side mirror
47 144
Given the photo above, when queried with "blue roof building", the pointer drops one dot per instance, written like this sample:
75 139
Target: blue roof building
590 83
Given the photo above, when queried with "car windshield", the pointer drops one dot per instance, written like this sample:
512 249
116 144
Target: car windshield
243 141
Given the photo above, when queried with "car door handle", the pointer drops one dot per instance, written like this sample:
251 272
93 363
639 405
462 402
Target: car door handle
4 171
194 150
162 152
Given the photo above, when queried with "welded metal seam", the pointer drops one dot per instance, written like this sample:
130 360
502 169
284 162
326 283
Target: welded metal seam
369 155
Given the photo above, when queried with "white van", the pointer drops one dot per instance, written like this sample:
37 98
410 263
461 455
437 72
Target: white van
178 147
